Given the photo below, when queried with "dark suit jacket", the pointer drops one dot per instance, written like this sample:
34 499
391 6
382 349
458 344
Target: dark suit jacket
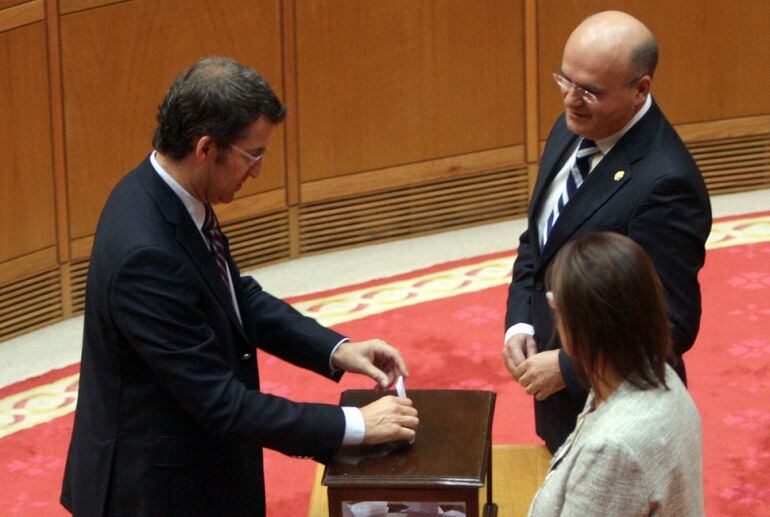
660 202
170 419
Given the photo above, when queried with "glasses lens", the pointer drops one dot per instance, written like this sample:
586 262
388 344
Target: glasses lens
562 82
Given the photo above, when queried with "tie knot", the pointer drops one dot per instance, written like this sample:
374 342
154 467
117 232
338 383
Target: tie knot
587 148
210 219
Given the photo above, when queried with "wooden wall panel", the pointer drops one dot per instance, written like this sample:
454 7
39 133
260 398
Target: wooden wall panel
713 55
10 3
382 84
27 217
118 61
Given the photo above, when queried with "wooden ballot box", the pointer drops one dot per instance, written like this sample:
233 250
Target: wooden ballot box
448 463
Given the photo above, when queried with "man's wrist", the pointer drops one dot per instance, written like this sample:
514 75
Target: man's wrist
519 328
355 428
332 369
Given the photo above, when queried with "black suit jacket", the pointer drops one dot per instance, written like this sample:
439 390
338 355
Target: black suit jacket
170 419
661 202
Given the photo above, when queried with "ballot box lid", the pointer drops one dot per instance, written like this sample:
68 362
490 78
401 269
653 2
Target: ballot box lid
450 450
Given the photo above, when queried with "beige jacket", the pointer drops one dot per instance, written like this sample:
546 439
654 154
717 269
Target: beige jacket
638 453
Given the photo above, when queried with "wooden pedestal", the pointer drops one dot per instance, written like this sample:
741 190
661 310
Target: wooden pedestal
448 463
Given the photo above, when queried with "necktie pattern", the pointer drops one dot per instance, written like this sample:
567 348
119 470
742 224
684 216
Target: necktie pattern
575 178
217 243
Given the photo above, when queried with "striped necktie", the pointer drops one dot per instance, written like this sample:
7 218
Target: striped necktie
217 243
577 174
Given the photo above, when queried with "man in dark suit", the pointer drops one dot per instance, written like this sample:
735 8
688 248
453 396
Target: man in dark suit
170 419
612 162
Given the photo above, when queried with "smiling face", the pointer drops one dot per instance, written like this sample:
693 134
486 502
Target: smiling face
230 169
597 57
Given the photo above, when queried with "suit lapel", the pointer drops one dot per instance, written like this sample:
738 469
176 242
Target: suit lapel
609 176
190 238
604 181
561 143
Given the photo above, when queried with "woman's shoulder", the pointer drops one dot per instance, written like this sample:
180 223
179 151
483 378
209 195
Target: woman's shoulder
635 417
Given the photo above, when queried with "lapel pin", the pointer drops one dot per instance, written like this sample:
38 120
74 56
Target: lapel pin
619 175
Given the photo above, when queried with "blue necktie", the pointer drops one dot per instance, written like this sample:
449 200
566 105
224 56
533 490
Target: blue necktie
577 174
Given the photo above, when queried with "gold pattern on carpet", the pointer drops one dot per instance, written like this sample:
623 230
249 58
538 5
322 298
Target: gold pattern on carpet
44 403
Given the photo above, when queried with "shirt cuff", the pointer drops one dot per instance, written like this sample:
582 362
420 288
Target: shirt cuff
519 328
354 426
332 369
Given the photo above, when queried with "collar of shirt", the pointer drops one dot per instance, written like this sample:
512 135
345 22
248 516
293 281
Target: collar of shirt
605 145
194 207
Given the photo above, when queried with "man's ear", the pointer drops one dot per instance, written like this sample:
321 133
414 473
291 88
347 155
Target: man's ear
643 88
205 150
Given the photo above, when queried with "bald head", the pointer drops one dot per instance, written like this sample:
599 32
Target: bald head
609 59
619 40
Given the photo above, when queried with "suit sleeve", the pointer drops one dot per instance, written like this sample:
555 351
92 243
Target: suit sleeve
282 331
672 224
157 305
522 284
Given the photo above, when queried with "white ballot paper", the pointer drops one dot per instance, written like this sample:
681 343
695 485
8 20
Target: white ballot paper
401 392
400 388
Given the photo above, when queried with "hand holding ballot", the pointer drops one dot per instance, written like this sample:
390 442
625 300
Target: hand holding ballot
374 358
389 419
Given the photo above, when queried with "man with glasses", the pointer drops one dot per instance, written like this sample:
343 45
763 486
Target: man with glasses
170 417
612 162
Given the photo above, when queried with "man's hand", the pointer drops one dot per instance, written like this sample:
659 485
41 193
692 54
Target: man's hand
374 358
516 350
540 374
389 419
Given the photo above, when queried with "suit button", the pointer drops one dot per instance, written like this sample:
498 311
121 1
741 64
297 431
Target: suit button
539 286
245 357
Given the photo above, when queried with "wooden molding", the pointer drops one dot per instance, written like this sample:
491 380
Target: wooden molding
717 129
240 208
81 248
291 125
261 203
411 174
27 265
72 6
728 128
22 14
56 103
531 91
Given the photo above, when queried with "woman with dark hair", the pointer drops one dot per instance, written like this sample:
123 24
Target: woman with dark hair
636 448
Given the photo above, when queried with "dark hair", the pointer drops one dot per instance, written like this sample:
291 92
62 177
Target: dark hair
644 57
611 310
218 97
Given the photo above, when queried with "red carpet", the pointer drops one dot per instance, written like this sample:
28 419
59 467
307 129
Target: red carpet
455 342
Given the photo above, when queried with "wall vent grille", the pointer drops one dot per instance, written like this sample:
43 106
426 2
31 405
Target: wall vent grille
30 303
413 210
733 164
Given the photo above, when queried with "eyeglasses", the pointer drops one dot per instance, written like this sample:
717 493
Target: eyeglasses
565 84
252 159
588 96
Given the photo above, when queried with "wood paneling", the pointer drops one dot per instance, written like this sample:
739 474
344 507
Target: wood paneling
405 116
713 55
71 6
389 83
412 174
399 212
21 14
27 265
118 62
27 223
4 4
